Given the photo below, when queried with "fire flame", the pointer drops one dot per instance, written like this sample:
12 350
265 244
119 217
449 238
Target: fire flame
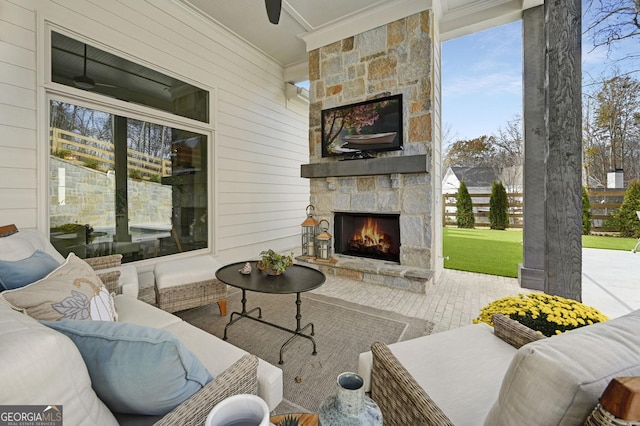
370 236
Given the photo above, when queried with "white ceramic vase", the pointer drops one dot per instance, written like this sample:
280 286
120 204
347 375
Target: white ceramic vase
240 410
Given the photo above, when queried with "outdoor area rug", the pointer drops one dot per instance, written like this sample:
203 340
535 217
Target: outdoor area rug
342 331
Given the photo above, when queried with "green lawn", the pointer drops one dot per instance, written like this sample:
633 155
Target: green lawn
499 252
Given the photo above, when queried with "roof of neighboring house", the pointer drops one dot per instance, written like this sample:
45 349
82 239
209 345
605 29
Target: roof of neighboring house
475 176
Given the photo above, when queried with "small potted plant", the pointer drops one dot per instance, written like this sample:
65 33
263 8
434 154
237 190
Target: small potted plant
289 421
274 263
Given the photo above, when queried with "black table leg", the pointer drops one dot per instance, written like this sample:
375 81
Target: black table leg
242 314
299 331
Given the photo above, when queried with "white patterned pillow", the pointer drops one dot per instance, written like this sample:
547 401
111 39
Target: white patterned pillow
72 291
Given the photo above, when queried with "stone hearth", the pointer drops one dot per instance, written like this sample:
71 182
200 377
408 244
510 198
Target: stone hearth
373 271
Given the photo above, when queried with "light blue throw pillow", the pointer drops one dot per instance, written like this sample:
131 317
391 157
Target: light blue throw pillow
135 369
18 273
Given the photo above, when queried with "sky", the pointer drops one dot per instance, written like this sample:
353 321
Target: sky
482 79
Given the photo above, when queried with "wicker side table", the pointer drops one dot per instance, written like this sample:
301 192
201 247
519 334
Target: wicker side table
619 404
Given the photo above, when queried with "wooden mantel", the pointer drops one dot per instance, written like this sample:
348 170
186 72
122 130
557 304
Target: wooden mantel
367 167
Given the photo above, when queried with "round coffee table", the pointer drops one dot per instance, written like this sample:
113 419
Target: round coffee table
296 279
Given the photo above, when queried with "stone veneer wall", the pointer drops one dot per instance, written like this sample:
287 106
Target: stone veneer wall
395 58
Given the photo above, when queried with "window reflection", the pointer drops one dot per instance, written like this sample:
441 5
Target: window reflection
120 185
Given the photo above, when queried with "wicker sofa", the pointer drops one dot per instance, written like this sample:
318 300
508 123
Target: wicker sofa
39 365
474 375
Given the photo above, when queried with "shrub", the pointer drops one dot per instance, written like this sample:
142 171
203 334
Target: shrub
135 174
155 178
546 314
498 207
62 153
586 212
464 208
91 163
626 218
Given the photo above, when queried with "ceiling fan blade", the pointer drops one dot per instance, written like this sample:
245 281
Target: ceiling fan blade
273 10
83 81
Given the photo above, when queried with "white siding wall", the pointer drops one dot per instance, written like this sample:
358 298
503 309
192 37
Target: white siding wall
259 144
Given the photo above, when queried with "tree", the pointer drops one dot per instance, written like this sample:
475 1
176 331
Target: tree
509 147
610 23
501 152
476 152
464 208
611 128
498 207
586 212
613 21
628 221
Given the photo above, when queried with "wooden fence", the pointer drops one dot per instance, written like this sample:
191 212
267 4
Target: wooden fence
84 150
604 204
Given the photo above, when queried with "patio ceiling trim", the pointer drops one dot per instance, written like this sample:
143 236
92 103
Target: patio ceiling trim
454 21
387 12
479 16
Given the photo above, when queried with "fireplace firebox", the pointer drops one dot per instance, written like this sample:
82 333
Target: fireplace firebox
372 235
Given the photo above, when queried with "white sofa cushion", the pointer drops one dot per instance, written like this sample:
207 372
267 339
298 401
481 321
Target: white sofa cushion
170 273
460 369
23 243
217 355
40 366
558 381
134 311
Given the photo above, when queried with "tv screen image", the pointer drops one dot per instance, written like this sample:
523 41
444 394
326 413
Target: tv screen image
363 127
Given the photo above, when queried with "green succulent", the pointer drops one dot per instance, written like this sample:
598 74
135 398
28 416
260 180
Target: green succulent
278 262
289 421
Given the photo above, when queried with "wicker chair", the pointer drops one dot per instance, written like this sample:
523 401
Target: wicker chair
188 283
240 378
403 401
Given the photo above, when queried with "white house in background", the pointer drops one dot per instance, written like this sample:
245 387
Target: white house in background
480 179
477 179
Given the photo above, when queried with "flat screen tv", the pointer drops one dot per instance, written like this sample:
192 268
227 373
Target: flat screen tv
360 129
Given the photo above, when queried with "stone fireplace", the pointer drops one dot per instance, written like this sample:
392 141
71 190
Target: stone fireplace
396 58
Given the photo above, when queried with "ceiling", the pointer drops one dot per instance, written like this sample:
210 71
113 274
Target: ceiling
308 24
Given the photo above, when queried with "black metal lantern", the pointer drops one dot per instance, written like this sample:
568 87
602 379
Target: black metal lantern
323 242
309 232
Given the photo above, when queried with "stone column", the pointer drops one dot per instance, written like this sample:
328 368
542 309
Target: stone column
531 271
563 196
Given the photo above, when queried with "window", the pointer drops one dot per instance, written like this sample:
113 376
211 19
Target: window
80 65
121 184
